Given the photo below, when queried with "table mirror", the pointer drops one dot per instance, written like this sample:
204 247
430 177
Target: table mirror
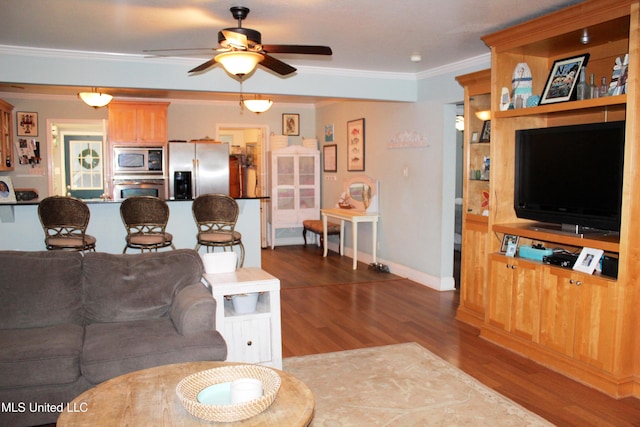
363 193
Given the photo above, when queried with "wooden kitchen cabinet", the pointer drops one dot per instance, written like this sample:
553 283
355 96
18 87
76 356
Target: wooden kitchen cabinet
138 123
6 135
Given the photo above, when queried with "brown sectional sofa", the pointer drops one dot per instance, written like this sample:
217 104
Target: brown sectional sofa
70 321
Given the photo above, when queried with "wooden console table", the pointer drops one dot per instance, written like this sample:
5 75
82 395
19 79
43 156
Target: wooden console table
355 217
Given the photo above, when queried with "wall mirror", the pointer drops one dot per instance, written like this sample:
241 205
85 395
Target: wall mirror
363 192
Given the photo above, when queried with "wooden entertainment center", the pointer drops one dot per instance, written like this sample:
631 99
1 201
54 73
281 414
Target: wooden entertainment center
584 326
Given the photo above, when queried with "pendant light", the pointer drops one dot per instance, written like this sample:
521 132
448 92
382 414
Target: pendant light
95 99
257 105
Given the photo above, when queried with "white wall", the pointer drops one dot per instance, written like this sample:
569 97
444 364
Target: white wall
416 227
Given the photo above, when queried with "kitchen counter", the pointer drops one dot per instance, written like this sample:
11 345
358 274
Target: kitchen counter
20 227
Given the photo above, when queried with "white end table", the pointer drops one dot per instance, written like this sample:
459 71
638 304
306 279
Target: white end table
354 217
252 337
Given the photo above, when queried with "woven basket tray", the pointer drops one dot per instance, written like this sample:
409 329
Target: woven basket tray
188 389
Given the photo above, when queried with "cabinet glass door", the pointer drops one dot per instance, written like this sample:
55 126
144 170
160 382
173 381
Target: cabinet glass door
307 182
285 182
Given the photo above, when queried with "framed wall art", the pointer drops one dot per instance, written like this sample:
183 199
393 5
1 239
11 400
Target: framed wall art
27 123
355 145
563 79
328 133
291 124
330 158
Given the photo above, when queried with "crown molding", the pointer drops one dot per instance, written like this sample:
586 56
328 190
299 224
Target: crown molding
482 60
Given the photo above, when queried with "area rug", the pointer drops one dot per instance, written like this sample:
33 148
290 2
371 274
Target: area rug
401 385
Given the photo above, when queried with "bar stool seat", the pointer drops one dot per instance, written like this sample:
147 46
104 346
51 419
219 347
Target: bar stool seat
216 216
146 218
64 221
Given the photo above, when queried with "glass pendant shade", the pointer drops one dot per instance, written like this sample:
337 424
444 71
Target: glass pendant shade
239 63
95 99
257 105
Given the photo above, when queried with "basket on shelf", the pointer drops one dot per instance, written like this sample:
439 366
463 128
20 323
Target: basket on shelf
188 389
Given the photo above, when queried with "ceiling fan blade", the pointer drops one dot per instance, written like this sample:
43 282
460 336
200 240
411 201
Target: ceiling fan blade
294 48
203 66
276 65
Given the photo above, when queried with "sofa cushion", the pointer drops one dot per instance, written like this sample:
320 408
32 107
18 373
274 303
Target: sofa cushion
39 356
112 349
119 288
40 288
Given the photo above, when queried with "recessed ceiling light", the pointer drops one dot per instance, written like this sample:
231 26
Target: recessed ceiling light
416 57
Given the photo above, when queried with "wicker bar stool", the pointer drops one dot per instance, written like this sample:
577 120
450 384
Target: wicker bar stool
146 218
216 216
64 221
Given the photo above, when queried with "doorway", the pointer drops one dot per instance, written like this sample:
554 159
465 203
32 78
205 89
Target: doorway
77 157
251 144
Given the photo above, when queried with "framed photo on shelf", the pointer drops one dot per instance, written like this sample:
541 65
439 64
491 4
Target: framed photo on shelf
27 123
474 137
588 260
355 145
563 79
7 193
486 131
291 124
330 158
509 244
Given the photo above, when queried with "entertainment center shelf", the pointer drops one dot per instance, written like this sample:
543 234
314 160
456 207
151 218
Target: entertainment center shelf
536 232
617 102
584 326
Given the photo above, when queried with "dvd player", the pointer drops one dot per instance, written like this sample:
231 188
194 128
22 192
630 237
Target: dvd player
560 259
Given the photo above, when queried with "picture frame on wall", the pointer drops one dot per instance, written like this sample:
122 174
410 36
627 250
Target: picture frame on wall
27 123
563 78
291 124
330 158
355 145
588 260
7 192
328 133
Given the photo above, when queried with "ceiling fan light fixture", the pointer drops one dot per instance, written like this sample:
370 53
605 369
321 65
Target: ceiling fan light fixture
95 99
239 63
257 105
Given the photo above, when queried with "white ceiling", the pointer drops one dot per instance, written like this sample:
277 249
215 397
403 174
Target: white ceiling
367 35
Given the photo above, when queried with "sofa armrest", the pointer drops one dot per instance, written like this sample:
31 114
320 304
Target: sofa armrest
194 310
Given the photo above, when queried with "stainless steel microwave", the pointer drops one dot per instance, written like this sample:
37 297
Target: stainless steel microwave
138 160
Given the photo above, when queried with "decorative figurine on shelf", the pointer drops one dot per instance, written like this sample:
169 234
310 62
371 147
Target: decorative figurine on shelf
521 85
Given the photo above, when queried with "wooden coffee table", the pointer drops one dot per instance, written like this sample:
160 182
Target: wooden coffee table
148 397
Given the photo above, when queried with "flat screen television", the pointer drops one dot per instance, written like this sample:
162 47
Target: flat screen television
571 176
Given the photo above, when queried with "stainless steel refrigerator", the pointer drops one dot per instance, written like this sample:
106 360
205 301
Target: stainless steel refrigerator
198 167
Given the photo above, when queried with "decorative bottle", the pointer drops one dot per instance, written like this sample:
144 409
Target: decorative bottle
602 91
582 90
593 89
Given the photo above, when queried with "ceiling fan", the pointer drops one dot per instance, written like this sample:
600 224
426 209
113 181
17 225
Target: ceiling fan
241 49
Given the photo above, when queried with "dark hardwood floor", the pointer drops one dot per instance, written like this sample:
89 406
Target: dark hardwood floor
327 306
